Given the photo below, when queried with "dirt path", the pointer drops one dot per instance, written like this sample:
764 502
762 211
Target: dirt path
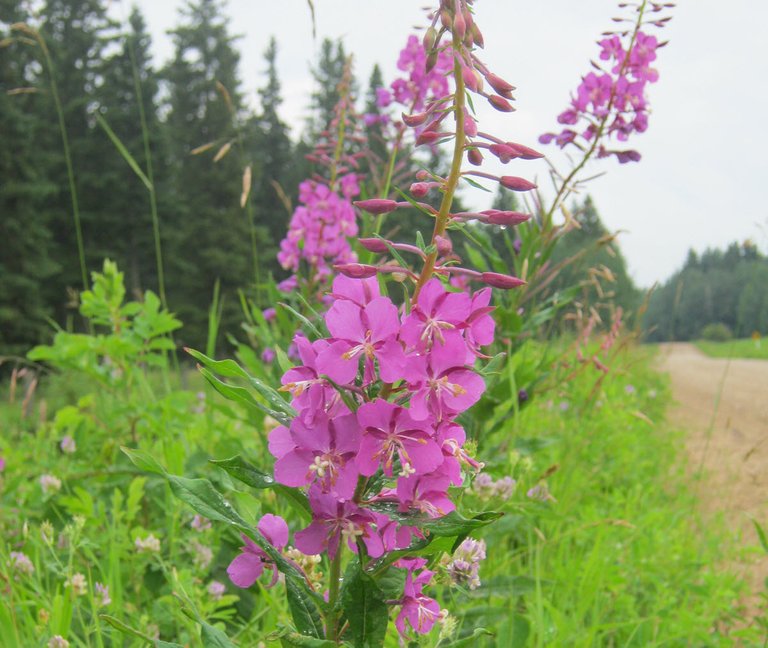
728 440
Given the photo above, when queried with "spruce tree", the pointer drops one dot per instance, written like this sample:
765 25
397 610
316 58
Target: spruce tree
208 234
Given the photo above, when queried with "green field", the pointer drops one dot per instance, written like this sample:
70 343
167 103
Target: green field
609 552
757 349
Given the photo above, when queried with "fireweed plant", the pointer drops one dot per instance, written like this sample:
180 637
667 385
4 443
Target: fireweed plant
370 451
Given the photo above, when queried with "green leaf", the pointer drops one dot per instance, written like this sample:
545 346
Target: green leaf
245 472
123 151
304 610
242 396
230 369
295 640
761 535
467 641
302 319
143 460
364 607
126 629
248 474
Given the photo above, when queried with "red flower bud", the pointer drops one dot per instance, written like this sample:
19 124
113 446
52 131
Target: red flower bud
430 39
510 218
430 137
356 270
444 245
422 174
475 157
516 184
470 78
459 25
415 120
500 103
500 85
470 126
503 152
420 189
375 245
525 152
376 205
505 282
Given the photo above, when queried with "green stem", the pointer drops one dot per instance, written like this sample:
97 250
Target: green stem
332 618
441 220
67 158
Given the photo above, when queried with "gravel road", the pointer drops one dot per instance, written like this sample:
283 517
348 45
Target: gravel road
723 406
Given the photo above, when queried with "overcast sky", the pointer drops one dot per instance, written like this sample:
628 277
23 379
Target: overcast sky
704 167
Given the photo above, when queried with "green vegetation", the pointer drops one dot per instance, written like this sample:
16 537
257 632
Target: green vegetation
592 549
757 349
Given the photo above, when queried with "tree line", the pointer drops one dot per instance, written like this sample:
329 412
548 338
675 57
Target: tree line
79 98
727 287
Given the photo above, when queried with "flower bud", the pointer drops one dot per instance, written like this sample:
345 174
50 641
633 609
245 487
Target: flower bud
415 120
477 35
497 280
500 85
516 184
430 39
375 245
420 189
500 103
444 245
459 25
499 217
503 152
525 152
470 126
431 61
475 156
430 137
422 174
356 270
376 205
470 77
445 18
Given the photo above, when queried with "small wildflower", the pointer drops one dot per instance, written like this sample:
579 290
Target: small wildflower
78 583
21 563
630 389
541 493
448 625
216 590
565 406
199 523
201 555
57 641
49 484
150 544
68 445
47 532
102 593
465 566
199 407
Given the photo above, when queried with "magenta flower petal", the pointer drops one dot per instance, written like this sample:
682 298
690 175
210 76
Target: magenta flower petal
313 540
336 364
382 318
274 529
292 469
344 321
280 441
245 569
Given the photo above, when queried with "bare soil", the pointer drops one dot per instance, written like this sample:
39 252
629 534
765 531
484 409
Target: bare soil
723 407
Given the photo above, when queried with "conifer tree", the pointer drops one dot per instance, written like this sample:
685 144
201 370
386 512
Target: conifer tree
208 236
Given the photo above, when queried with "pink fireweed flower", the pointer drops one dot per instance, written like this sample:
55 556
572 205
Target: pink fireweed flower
323 452
419 610
368 333
334 519
436 311
425 494
308 390
445 387
389 432
250 564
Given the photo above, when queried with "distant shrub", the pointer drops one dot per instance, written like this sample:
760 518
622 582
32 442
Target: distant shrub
716 332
